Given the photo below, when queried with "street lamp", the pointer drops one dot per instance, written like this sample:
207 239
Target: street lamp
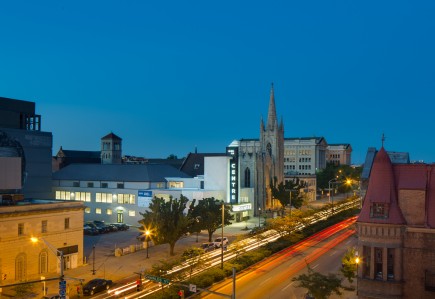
329 186
357 262
147 234
62 285
259 217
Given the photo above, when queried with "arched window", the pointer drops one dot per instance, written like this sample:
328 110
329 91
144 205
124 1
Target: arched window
269 149
43 262
247 178
20 267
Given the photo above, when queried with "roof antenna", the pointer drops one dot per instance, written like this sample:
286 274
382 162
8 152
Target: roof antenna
383 139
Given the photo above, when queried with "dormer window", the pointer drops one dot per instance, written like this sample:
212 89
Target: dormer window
379 210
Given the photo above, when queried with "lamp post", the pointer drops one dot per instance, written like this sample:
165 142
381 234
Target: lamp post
147 234
259 217
331 197
93 259
357 262
222 235
62 285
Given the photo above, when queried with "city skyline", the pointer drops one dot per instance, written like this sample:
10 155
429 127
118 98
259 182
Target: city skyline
169 77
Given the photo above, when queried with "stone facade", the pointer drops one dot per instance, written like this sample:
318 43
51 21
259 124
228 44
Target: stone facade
58 225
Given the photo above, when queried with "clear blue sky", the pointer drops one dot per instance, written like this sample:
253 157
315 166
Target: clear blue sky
167 76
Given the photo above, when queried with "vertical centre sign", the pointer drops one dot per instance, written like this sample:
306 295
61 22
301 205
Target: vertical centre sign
233 175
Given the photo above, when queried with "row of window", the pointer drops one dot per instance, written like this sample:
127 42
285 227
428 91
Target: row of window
121 198
88 210
301 152
44 226
378 262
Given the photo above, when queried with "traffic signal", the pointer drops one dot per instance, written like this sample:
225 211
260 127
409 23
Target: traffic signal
138 284
181 294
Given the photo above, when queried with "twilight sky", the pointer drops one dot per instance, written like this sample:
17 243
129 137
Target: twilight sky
167 76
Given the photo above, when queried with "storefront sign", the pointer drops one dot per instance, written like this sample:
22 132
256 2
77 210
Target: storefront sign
233 174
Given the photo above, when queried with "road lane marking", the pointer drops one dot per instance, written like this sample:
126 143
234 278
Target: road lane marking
265 281
334 252
314 267
287 286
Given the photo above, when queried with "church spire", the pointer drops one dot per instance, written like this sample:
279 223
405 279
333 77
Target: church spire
271 116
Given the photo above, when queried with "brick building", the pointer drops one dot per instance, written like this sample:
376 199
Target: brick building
396 230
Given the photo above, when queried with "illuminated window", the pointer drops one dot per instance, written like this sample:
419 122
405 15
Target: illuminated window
87 210
131 213
176 184
43 262
132 199
97 211
98 197
109 211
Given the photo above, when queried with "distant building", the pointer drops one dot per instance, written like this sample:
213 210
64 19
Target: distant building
25 152
339 154
396 230
60 224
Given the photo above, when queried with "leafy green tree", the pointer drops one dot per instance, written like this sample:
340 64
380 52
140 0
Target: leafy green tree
210 212
283 191
166 220
320 286
349 267
193 257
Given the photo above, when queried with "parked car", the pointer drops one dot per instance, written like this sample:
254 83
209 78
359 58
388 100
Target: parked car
102 227
96 285
207 247
218 242
89 230
53 296
121 226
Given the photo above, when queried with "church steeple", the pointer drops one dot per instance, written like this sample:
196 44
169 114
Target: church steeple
271 116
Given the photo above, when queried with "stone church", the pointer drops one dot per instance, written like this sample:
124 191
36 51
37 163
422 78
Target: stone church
261 160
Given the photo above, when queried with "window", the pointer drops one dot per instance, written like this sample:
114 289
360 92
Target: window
76 184
83 196
97 197
20 267
131 213
65 195
429 280
247 178
87 210
120 185
196 166
66 223
366 262
43 262
378 263
390 264
44 226
109 211
104 185
159 185
379 210
90 184
269 149
97 211
20 229
176 184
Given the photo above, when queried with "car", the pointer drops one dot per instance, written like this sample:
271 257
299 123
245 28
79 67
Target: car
207 247
121 226
89 230
51 296
141 237
96 285
218 242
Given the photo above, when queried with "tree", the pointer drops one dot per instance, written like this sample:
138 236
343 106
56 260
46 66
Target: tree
239 246
172 157
209 209
320 286
348 262
166 220
193 257
283 191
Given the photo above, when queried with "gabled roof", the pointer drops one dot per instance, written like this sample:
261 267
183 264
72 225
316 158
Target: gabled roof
118 172
382 190
78 154
111 136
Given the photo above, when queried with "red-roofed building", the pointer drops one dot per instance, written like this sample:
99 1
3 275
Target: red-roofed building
396 230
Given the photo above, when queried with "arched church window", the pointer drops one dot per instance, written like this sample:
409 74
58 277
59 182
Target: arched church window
20 267
247 178
269 149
